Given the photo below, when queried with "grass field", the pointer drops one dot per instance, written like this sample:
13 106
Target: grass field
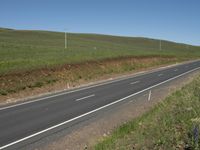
27 50
33 59
169 125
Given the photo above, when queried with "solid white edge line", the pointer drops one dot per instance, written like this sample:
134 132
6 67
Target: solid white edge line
95 110
100 84
79 99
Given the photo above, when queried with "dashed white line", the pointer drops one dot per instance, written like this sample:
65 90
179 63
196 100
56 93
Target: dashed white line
85 97
135 82
160 75
176 70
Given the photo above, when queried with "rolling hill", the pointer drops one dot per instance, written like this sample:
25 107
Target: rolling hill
24 50
36 59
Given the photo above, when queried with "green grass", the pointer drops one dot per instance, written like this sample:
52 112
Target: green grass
169 125
26 50
32 59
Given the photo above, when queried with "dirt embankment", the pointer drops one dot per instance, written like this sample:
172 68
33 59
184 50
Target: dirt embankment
33 82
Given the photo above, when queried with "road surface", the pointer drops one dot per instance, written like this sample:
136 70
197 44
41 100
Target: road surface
26 121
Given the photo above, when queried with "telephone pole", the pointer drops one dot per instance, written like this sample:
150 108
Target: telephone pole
65 40
160 44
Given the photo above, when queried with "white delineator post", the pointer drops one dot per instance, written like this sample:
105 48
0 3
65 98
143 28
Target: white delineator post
149 97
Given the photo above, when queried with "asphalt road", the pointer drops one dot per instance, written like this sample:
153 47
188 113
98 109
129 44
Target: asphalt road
25 121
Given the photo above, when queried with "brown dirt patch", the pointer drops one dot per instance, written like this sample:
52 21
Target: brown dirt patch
34 82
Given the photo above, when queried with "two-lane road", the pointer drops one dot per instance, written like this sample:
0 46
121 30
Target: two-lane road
24 121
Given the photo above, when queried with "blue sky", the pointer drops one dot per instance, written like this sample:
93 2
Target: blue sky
175 20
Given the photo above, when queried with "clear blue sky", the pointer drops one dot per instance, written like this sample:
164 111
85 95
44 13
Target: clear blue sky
176 20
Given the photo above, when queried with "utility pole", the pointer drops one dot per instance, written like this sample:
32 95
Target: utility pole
187 46
160 44
65 40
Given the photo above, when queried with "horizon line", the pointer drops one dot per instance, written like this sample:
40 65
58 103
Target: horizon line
96 33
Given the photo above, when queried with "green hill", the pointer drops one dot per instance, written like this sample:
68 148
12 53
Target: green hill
38 59
20 49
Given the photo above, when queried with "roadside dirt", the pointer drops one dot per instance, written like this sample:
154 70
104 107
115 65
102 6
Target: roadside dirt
17 86
86 135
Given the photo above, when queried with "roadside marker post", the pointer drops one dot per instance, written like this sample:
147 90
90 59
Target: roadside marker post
149 97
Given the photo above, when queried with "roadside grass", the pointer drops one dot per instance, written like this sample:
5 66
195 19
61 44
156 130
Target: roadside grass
168 125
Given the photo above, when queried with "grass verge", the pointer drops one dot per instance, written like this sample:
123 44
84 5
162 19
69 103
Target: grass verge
172 124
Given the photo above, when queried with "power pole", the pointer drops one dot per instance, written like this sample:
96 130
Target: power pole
65 40
187 46
160 44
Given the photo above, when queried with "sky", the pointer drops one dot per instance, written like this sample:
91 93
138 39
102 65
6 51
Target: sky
174 20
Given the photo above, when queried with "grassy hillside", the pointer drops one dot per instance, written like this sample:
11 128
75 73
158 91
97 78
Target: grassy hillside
25 50
34 59
172 124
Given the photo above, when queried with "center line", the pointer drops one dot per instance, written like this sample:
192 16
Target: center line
135 82
175 69
85 97
160 75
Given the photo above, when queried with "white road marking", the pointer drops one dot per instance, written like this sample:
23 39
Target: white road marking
149 97
85 97
176 70
160 75
95 110
135 82
186 66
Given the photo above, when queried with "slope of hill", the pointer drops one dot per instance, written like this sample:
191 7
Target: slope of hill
26 50
34 59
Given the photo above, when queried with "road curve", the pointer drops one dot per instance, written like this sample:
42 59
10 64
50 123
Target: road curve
24 121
